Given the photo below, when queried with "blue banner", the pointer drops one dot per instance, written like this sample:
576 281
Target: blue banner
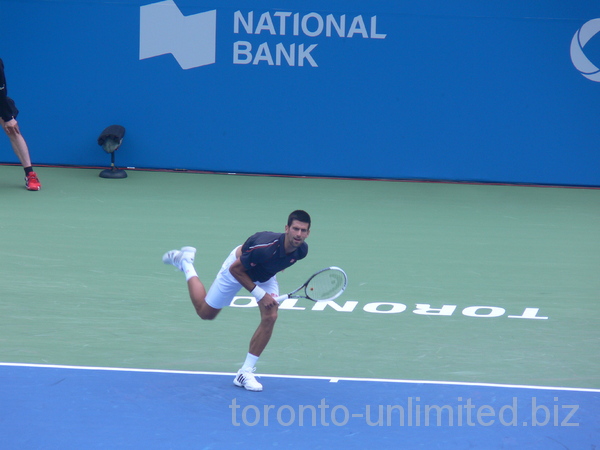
471 91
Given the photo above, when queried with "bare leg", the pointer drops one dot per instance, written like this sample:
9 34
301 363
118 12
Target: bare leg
263 333
20 148
198 296
17 142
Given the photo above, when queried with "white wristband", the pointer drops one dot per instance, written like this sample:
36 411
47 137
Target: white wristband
258 293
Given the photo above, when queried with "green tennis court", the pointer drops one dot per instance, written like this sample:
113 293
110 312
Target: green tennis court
447 282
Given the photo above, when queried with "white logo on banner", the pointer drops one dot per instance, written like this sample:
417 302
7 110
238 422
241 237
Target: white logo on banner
192 40
580 60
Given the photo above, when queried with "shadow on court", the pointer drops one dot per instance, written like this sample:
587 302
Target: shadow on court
66 407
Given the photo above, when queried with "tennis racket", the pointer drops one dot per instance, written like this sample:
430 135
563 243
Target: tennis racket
326 284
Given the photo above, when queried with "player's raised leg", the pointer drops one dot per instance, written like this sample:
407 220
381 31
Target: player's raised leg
184 260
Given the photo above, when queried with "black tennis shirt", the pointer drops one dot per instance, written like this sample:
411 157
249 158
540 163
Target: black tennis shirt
263 255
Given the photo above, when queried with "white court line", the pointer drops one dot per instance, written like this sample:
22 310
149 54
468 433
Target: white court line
305 377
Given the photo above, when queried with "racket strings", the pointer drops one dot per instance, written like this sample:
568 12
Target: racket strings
325 285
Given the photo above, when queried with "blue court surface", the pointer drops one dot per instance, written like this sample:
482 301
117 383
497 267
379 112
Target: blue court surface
48 407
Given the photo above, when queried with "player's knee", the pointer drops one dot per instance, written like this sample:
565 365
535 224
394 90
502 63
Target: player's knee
269 318
207 313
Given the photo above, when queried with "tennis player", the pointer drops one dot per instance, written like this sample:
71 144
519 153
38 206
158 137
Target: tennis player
253 266
8 121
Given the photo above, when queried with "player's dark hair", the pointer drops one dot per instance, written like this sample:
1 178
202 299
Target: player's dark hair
300 216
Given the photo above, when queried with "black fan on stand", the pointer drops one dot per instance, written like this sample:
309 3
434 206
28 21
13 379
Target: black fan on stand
110 140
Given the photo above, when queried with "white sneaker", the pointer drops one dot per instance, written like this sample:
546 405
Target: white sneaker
245 378
176 257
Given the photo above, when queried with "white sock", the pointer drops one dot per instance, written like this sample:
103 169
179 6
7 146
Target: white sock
250 361
188 270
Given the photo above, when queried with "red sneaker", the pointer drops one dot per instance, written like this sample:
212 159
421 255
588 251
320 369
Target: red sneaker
32 182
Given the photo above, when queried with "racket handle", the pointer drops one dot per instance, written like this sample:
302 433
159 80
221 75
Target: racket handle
281 298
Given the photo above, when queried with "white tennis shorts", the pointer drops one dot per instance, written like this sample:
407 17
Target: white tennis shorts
225 286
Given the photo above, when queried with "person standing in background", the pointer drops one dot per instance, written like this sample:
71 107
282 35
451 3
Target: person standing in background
8 120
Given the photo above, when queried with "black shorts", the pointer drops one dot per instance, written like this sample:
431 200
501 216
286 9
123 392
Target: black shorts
12 107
